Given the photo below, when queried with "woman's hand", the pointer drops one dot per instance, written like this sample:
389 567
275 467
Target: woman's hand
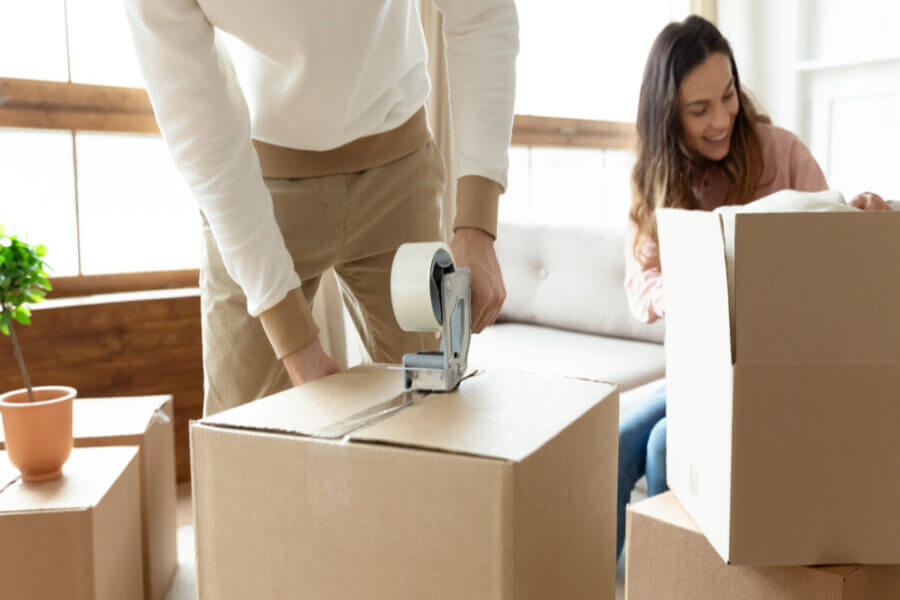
869 201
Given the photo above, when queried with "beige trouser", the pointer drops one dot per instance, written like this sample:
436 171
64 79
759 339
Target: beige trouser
353 223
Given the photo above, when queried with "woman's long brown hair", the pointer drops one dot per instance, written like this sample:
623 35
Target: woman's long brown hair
661 176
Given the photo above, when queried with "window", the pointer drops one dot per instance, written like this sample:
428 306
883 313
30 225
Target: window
37 180
82 167
136 214
33 40
565 186
100 48
578 78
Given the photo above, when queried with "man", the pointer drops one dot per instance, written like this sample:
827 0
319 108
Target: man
312 151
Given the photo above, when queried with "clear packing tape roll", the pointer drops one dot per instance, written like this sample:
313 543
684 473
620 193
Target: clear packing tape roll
415 275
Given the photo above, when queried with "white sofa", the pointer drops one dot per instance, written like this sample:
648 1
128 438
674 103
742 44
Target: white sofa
566 311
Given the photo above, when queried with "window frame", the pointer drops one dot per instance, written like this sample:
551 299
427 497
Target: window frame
59 105
30 103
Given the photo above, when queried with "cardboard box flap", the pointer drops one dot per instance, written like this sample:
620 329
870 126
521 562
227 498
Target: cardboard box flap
96 469
692 251
358 392
504 415
122 418
842 571
817 288
117 417
666 508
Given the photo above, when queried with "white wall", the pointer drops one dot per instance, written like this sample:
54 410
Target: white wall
764 37
830 71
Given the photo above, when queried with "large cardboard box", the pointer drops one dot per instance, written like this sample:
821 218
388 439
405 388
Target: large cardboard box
668 557
349 488
786 452
75 538
146 422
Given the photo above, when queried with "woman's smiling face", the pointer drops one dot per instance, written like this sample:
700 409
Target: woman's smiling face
708 105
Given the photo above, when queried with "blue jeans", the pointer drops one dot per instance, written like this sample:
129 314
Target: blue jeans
642 451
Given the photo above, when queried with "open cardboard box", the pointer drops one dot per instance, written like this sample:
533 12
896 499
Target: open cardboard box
784 447
347 487
668 557
77 537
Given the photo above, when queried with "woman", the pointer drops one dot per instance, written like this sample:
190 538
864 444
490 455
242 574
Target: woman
701 144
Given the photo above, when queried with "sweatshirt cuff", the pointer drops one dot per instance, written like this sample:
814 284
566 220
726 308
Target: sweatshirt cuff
477 202
289 325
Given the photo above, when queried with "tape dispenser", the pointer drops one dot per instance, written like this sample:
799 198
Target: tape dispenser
429 294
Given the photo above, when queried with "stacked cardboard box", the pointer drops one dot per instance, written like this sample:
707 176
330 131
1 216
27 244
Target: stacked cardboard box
782 429
77 537
145 422
668 557
347 487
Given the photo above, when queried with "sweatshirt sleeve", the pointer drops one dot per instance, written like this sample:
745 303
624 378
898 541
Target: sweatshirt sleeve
806 175
643 282
482 41
205 123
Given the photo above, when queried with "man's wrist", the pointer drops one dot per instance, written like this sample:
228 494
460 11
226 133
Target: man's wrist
473 234
477 204
289 325
307 363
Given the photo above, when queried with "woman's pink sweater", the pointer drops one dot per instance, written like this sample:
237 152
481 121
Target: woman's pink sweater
787 164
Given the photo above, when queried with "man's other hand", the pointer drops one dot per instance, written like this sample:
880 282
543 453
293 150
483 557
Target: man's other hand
473 248
308 363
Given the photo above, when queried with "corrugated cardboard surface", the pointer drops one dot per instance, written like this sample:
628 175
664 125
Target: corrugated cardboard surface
668 557
75 538
565 511
874 583
145 421
806 295
699 372
463 497
817 475
771 456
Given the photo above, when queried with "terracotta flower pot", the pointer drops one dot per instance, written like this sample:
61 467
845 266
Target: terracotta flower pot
39 433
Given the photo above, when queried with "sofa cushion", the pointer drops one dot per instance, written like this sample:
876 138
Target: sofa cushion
545 350
569 277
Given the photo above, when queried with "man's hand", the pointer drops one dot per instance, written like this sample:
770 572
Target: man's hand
473 248
308 363
869 201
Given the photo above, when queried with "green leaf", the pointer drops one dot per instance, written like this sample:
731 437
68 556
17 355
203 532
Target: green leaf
23 278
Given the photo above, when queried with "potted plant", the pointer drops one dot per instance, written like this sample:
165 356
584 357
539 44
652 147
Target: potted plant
37 421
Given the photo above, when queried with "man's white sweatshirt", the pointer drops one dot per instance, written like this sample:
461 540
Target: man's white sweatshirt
311 75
